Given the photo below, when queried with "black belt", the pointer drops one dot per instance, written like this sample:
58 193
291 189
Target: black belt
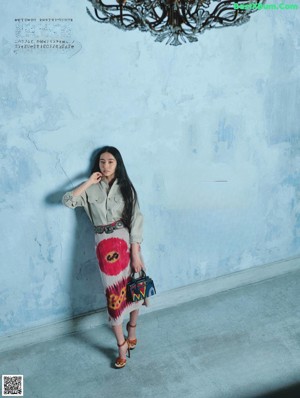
110 228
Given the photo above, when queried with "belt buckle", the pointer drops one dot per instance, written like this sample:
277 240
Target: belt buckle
119 224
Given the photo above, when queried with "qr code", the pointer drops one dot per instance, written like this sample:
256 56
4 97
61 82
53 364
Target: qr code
12 386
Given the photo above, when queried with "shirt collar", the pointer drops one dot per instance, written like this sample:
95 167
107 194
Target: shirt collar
105 183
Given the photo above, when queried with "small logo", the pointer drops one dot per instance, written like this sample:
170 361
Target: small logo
12 386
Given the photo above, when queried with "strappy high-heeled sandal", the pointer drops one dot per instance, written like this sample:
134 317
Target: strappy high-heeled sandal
121 362
131 343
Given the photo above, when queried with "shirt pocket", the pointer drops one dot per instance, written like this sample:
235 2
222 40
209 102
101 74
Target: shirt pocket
118 202
93 199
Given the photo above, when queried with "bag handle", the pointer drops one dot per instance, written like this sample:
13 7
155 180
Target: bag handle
142 274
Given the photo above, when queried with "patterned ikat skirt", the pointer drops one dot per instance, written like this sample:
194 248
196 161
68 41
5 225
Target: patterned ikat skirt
113 255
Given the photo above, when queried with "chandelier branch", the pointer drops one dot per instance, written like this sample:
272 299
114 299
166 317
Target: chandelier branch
176 21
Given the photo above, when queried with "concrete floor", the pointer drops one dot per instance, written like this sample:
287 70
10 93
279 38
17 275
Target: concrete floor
242 343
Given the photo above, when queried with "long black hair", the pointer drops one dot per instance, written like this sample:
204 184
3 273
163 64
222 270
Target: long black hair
127 189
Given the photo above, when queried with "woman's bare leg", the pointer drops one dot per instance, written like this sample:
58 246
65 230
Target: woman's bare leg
133 321
118 332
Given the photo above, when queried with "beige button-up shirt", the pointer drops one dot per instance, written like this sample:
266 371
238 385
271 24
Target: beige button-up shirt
105 206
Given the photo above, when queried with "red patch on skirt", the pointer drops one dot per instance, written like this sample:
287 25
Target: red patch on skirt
116 298
113 255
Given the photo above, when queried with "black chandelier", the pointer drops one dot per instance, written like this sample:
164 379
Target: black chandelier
174 20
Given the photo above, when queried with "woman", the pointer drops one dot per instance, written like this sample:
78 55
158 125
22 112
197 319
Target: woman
111 203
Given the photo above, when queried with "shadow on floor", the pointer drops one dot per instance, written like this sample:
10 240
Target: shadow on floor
292 391
94 342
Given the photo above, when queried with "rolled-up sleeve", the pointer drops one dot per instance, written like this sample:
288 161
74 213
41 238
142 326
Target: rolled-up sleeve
72 201
136 233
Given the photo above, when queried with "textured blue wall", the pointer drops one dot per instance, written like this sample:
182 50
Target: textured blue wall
223 109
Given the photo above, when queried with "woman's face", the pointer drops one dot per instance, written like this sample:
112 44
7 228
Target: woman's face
108 165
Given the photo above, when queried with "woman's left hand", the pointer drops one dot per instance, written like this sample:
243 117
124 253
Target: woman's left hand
136 263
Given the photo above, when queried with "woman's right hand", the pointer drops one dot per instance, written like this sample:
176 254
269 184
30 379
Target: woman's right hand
95 178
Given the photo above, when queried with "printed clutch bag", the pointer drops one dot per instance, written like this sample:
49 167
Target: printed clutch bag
140 288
